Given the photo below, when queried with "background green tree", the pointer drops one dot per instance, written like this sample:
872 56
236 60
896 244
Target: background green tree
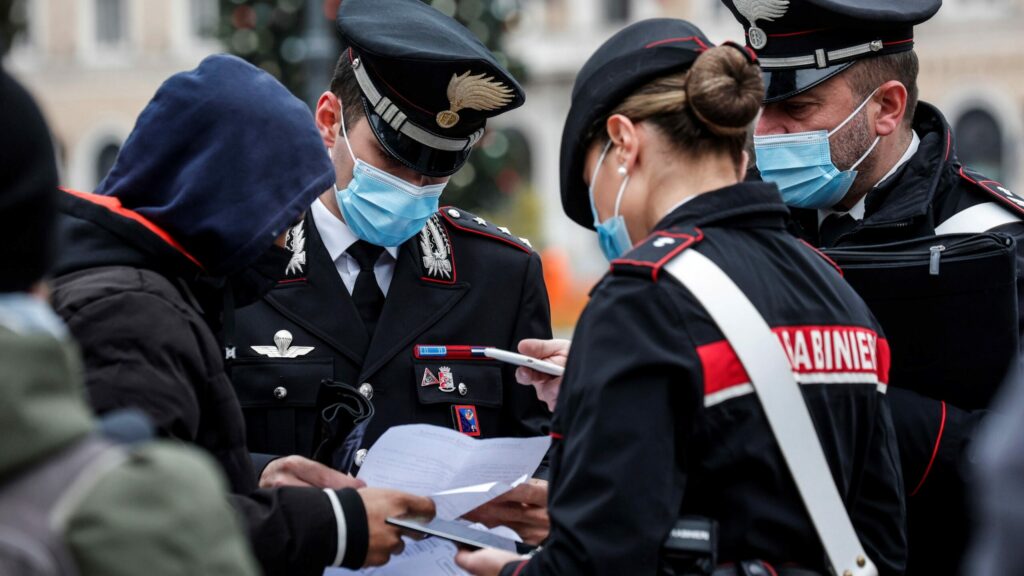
12 22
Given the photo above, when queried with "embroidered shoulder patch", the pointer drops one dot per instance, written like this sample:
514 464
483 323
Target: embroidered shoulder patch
648 257
436 252
467 222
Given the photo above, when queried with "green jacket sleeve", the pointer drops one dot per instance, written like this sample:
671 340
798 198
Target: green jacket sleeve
161 512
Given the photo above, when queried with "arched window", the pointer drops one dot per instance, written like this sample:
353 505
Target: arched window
105 160
111 23
980 142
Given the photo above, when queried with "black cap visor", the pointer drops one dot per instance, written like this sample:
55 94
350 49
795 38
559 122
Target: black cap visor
421 158
782 84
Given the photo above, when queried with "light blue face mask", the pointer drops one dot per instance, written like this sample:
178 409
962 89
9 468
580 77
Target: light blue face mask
612 233
382 209
800 164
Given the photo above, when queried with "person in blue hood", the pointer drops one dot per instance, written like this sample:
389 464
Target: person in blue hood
193 215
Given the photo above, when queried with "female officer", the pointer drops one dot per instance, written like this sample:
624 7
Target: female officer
657 418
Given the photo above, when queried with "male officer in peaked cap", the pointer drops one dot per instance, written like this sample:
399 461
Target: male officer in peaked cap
861 162
380 318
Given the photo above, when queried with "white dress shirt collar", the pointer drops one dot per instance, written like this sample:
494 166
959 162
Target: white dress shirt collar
336 234
338 237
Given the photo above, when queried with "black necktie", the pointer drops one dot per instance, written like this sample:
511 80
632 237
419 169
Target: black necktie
834 226
367 295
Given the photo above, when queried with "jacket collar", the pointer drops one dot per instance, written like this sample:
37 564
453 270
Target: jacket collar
918 180
321 304
745 204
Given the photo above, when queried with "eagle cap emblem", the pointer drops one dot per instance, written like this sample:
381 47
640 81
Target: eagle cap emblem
754 10
476 92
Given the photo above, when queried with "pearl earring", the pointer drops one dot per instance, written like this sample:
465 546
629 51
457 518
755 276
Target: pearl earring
622 169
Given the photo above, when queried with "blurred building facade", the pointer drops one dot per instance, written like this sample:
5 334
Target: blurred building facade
971 69
94 64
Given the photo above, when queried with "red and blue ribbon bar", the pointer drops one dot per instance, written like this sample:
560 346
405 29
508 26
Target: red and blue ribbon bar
448 352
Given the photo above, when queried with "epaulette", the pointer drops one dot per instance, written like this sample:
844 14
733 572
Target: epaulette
994 189
648 257
467 222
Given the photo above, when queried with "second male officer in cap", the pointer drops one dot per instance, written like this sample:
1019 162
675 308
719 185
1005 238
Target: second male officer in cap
388 294
862 162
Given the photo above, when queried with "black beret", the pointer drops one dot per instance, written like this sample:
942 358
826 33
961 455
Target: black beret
802 43
428 84
28 189
634 56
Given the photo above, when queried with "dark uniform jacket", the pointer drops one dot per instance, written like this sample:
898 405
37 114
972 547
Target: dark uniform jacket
122 289
656 418
933 434
461 282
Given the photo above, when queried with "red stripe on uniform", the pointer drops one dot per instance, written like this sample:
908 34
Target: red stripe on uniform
884 361
722 368
520 568
800 33
935 450
694 39
817 354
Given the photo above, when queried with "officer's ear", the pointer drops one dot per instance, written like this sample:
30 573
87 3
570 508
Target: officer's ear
625 141
892 100
328 118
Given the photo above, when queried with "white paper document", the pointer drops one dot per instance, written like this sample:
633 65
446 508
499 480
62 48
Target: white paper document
457 472
429 557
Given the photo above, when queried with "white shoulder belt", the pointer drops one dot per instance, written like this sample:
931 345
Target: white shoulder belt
772 376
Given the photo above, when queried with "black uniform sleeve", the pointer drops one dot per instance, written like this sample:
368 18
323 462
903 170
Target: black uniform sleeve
154 365
531 416
880 514
934 438
294 531
627 404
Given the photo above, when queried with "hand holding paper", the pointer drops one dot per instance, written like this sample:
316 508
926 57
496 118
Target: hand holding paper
458 472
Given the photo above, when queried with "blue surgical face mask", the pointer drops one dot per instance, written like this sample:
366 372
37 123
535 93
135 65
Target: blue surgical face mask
800 164
612 233
383 209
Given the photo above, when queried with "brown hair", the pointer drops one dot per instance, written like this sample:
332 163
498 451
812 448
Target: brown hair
706 109
870 73
346 88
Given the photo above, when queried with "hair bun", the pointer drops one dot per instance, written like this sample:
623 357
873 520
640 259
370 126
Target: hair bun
724 90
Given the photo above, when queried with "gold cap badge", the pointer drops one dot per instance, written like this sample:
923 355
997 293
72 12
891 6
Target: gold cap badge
473 92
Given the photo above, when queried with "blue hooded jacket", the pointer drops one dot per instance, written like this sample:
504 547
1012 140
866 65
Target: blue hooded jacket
224 159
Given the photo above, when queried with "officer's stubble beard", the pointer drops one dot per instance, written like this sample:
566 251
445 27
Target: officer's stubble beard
847 146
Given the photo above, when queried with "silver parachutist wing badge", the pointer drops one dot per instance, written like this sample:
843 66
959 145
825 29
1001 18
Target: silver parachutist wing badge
754 10
282 347
436 250
296 242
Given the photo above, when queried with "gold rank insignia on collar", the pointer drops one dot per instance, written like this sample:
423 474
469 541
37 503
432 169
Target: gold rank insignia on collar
478 92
